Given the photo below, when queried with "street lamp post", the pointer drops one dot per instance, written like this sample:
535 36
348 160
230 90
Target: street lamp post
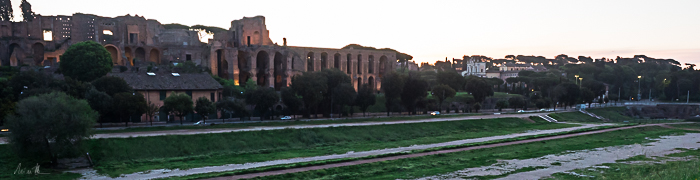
580 81
576 79
639 88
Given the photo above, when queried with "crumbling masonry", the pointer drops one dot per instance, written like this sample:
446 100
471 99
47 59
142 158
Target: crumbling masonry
243 52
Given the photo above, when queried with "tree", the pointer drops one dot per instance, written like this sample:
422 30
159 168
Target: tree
27 13
392 84
567 93
442 92
6 13
476 107
263 98
502 104
100 102
516 102
452 79
587 96
343 95
152 110
310 86
50 126
365 98
290 99
479 88
86 61
414 89
179 104
75 88
111 85
231 105
129 104
204 108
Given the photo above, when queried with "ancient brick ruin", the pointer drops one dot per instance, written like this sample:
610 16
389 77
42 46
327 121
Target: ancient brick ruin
243 52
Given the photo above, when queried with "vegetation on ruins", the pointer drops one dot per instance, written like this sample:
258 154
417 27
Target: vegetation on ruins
86 61
27 13
6 13
50 126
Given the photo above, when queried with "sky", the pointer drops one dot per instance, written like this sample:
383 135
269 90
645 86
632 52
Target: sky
435 30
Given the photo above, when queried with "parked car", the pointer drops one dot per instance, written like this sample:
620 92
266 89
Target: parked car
521 111
434 113
286 118
543 110
200 123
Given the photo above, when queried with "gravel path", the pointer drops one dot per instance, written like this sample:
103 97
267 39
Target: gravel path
90 174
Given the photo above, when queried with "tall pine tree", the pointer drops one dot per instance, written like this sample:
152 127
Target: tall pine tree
6 10
27 13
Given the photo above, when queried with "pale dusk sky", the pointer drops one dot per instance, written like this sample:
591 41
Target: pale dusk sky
433 30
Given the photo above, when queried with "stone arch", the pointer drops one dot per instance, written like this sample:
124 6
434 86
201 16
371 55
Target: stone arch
370 64
243 67
280 71
38 49
114 52
129 55
382 65
349 64
370 82
222 65
154 56
359 82
310 61
262 64
336 61
359 64
140 55
15 50
324 60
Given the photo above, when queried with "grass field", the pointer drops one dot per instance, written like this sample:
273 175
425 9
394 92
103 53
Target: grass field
614 114
669 170
687 126
288 123
122 156
445 163
573 117
9 162
538 119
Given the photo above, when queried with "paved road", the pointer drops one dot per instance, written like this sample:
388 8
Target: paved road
90 174
351 163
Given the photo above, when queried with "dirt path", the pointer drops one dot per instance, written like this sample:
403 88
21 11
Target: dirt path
351 163
3 140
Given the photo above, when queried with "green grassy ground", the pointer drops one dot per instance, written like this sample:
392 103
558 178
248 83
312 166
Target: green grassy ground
687 126
9 162
615 114
446 163
121 156
538 119
573 117
288 123
670 170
